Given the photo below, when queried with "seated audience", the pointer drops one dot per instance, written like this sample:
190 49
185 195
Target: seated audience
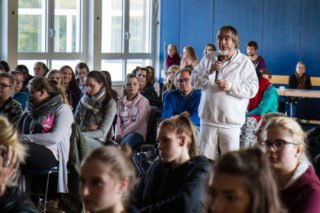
146 87
173 57
106 179
12 154
152 79
96 110
257 60
113 93
19 95
242 182
45 128
9 108
184 99
189 57
71 87
284 141
26 76
57 76
4 66
169 85
177 181
300 80
40 69
132 114
82 70
209 48
266 74
265 101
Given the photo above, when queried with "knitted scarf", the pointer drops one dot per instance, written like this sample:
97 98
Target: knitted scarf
301 81
89 110
31 121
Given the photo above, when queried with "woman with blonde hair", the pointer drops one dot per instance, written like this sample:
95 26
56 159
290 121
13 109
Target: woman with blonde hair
169 85
106 180
284 141
12 154
189 57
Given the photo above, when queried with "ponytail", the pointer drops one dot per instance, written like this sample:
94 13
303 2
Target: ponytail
182 124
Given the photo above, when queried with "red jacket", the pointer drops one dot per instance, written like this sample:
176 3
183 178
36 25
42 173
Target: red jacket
303 196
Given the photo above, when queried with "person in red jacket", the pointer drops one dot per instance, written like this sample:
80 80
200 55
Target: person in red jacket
285 147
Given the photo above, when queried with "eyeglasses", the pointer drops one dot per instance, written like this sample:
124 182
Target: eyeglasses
277 144
186 80
4 86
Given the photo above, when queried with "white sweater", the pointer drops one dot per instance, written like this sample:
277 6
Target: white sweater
225 108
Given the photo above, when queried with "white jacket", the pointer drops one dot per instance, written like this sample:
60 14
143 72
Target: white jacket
225 108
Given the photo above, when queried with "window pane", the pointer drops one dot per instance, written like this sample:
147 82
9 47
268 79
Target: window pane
67 26
31 26
112 26
140 26
57 64
132 64
114 67
30 63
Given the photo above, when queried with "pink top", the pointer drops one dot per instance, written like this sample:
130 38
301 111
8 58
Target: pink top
133 116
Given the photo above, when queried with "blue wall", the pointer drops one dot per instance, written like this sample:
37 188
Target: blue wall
286 30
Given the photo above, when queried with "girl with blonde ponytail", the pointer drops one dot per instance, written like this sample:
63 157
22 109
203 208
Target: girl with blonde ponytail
177 180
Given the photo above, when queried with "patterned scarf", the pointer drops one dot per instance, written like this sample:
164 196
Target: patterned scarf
89 110
32 119
301 81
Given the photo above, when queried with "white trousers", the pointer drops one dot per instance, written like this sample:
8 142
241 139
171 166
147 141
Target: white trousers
215 141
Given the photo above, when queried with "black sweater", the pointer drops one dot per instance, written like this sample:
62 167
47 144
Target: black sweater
180 189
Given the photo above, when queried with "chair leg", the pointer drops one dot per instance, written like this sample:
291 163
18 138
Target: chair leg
46 192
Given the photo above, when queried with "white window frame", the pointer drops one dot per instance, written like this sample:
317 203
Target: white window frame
90 51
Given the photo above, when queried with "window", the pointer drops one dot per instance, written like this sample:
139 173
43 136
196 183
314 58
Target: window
113 35
50 30
126 36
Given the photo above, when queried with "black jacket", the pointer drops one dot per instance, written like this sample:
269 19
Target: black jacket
293 82
15 201
181 189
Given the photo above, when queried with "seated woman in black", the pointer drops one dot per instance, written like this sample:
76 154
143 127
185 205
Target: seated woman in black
146 87
300 80
176 183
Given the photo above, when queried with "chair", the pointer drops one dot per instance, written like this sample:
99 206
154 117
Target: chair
39 172
153 123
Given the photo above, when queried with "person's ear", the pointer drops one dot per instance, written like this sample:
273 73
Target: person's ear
124 184
183 140
299 151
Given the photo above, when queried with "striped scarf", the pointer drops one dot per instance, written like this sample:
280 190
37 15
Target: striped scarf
89 110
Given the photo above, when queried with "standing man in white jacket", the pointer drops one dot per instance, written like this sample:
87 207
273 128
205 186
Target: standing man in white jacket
228 80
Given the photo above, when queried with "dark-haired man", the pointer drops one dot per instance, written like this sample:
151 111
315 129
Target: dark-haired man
257 60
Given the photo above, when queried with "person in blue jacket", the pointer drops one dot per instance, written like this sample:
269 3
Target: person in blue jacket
183 99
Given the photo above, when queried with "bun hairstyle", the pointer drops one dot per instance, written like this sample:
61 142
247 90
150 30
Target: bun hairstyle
51 86
182 124
119 162
253 168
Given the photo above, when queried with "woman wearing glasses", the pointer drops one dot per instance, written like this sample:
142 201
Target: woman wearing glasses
9 107
285 147
146 87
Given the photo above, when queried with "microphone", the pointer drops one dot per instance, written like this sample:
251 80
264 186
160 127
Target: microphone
218 74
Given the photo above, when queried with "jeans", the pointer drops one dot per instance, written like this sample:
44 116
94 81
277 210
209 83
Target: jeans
133 139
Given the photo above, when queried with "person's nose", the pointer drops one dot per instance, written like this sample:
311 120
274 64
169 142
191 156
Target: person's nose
84 191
